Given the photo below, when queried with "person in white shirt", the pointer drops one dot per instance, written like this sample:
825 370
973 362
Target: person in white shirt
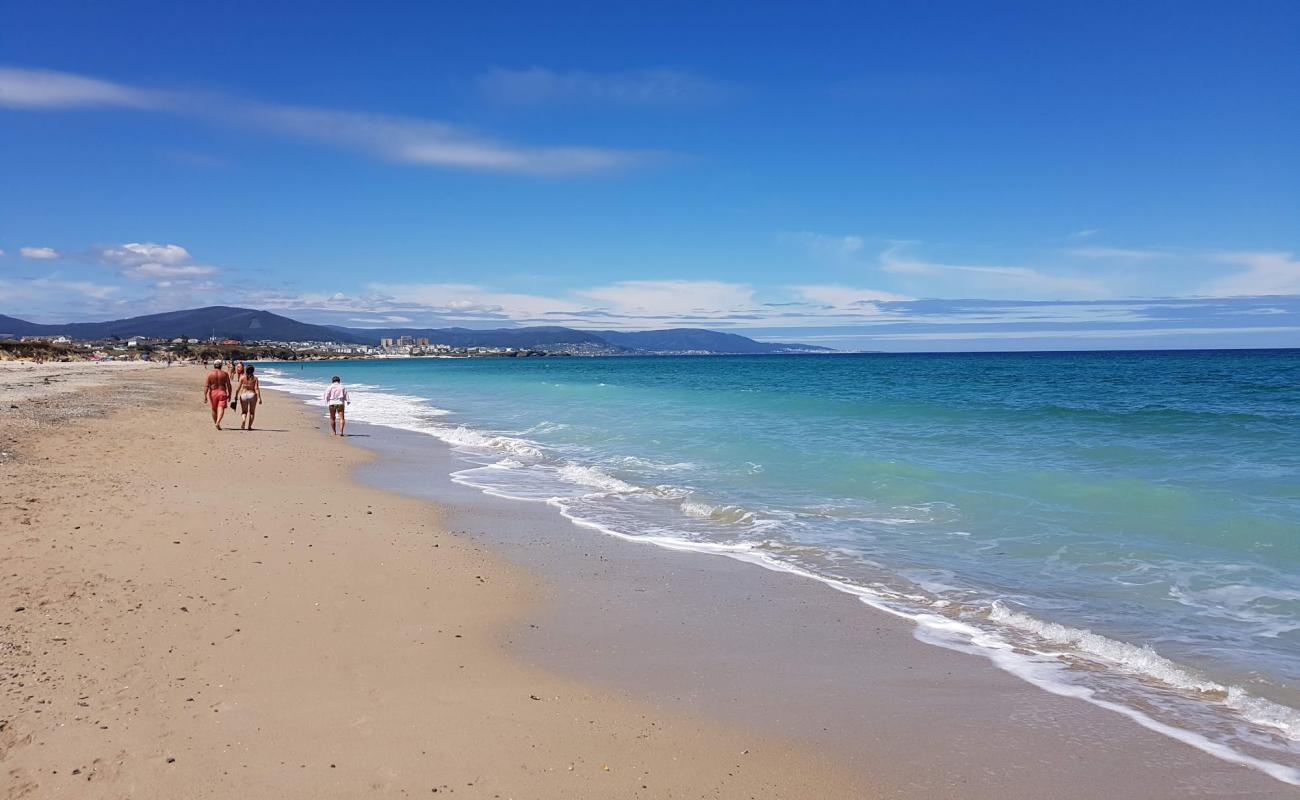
336 399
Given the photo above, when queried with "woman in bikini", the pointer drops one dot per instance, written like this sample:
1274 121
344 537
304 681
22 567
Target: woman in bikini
250 395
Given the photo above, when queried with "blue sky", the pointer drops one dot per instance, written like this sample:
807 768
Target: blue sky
892 176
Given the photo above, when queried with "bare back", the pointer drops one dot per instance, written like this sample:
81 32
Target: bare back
218 380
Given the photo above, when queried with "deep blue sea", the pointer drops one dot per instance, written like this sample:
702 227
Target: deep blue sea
1124 527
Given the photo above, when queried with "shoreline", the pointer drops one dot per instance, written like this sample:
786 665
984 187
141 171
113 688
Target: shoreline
1040 670
1150 761
684 661
203 614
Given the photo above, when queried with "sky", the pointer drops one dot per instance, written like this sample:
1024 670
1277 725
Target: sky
869 176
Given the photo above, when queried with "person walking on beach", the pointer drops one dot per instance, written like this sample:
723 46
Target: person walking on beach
236 378
216 393
250 397
336 399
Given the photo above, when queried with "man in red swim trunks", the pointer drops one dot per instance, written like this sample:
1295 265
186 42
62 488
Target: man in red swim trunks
216 393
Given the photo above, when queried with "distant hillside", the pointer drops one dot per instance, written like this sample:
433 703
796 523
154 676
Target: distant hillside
225 322
246 324
682 340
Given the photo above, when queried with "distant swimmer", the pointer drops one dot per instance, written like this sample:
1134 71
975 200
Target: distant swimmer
336 399
234 380
216 392
250 397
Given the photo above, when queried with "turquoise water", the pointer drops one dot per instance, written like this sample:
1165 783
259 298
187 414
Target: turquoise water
1122 525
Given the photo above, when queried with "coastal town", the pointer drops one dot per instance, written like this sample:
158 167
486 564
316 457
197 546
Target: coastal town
183 348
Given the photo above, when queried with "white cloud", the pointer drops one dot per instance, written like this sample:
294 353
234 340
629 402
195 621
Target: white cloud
538 86
1085 233
135 253
168 263
1118 253
39 253
987 281
394 138
1264 273
38 88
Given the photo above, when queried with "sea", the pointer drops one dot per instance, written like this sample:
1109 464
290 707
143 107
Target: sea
1121 527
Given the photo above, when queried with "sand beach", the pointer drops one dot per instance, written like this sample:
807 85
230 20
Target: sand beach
198 614
193 613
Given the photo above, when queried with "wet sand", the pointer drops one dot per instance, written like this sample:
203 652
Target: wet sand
193 613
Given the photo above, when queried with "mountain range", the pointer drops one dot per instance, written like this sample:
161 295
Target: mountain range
246 324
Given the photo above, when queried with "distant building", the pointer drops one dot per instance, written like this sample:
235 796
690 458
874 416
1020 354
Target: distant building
424 341
385 342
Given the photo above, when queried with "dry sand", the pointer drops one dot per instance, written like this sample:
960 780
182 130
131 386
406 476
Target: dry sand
23 380
191 613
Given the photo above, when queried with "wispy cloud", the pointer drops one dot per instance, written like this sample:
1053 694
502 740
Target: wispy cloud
400 139
169 271
673 298
1259 274
991 281
455 301
1085 333
390 319
39 88
1086 233
1118 253
39 253
834 296
418 141
900 268
537 86
16 294
826 245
